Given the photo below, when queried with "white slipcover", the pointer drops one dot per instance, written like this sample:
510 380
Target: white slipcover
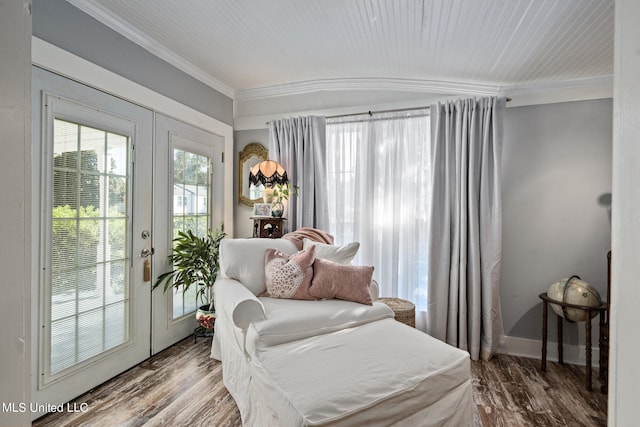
331 362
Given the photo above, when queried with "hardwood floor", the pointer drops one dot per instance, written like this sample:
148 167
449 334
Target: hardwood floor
513 391
182 386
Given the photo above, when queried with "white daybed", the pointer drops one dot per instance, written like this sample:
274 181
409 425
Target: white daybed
329 362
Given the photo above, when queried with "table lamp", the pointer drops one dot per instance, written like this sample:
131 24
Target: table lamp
268 173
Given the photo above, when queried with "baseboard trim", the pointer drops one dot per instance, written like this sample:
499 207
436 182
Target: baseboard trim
572 354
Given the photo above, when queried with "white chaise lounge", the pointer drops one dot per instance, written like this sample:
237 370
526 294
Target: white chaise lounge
330 362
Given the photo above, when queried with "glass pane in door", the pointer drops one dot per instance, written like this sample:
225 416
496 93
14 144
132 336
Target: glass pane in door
90 245
191 189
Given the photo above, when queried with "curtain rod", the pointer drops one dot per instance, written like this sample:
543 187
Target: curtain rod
397 110
371 113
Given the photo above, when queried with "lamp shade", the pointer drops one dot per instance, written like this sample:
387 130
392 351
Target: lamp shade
268 173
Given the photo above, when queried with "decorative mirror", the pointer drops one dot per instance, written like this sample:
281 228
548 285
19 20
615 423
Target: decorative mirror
251 155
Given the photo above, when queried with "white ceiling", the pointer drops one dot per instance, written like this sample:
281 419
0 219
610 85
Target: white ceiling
252 49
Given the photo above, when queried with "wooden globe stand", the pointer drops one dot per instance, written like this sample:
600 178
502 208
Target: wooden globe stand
600 309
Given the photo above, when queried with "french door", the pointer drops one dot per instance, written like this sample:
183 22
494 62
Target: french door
93 158
110 175
189 161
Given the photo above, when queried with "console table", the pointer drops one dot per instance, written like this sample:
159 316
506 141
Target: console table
601 309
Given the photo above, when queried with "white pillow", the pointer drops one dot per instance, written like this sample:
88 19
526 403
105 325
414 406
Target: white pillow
243 260
340 254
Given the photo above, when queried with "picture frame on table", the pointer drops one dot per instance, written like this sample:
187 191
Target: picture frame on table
262 209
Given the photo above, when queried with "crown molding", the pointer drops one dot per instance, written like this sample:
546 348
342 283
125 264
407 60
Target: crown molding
594 83
521 95
97 12
392 84
600 84
584 89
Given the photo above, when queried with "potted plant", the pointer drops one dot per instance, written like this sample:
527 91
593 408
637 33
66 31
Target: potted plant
281 192
195 262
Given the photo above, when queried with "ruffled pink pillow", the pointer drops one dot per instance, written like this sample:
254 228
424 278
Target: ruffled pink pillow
345 282
289 276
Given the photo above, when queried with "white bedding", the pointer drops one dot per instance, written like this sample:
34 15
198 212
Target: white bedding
341 379
290 320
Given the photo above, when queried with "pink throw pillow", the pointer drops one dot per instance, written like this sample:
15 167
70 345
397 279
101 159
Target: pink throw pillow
345 282
289 276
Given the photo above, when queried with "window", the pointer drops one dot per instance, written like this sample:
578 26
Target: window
378 178
191 186
89 243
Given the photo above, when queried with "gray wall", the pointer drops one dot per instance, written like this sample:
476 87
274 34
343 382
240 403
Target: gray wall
67 27
556 169
242 221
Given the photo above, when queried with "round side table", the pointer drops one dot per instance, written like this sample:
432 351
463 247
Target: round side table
405 311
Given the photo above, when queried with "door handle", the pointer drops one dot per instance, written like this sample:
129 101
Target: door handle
146 252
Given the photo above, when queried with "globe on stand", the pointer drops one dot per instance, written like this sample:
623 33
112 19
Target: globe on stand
574 291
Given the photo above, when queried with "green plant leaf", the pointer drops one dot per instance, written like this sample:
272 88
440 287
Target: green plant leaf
195 262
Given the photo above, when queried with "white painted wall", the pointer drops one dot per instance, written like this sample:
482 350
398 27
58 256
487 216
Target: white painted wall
15 221
625 345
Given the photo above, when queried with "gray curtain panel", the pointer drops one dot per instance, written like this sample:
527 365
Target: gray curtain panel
299 144
465 229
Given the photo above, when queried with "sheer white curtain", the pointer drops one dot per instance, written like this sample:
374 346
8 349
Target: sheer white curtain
298 143
378 173
465 229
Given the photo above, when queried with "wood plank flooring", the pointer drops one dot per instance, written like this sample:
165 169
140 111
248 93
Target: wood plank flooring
182 386
513 391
